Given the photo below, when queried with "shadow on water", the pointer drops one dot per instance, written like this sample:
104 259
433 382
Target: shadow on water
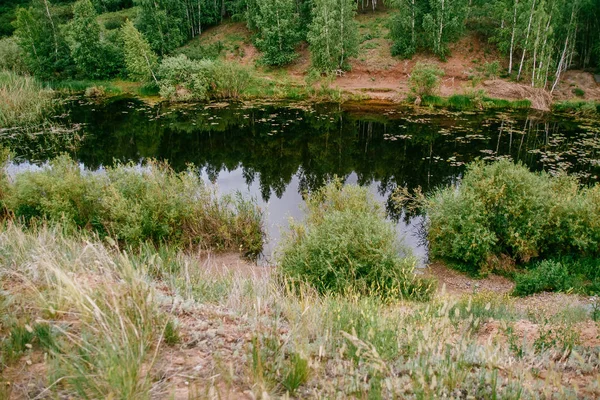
275 152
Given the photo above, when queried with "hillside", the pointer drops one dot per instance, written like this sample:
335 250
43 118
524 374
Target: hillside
378 75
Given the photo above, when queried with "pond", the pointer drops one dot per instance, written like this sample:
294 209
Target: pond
275 152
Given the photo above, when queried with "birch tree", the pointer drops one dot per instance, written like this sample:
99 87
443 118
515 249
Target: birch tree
140 60
278 33
405 27
333 34
45 49
443 24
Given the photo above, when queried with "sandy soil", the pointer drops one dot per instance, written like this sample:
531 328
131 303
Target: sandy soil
379 76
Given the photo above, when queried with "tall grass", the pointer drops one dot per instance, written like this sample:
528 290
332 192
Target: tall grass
137 204
578 107
23 100
105 322
103 316
473 101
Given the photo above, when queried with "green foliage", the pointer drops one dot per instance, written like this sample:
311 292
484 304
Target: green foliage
24 100
44 47
181 79
116 20
162 23
94 57
103 6
278 25
11 56
132 206
425 79
404 28
429 25
578 107
547 276
443 24
140 60
333 34
347 246
167 24
195 51
502 209
578 92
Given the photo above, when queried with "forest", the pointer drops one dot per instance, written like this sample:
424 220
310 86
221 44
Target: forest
142 40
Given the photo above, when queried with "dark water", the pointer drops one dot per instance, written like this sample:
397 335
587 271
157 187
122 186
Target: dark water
276 152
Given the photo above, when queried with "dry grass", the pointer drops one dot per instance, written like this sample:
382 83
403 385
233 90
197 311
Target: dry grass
248 336
23 100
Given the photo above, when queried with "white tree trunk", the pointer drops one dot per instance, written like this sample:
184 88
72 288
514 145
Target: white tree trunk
441 30
526 40
512 37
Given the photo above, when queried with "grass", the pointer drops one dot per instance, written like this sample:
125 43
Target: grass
136 204
81 86
25 101
115 324
578 107
476 101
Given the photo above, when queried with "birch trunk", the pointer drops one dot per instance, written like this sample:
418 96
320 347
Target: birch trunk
526 40
512 38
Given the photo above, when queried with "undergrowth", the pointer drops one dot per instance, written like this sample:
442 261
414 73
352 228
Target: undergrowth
134 204
24 100
502 216
345 245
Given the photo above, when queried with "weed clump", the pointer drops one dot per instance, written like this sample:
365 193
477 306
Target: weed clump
503 210
346 246
181 79
547 276
135 204
25 101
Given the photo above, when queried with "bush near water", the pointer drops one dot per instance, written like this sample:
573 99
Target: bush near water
134 204
502 215
346 246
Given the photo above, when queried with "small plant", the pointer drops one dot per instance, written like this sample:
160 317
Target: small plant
547 276
425 79
578 92
95 92
296 372
171 333
492 70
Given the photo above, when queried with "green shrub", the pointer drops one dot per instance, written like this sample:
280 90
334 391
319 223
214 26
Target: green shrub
578 92
547 276
11 56
195 51
504 210
347 246
134 205
425 79
183 79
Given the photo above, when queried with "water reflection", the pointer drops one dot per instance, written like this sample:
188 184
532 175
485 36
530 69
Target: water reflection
276 152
